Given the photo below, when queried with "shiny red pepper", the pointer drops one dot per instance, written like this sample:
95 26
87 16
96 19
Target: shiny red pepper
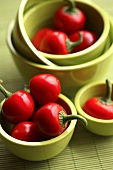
69 18
53 119
57 42
37 38
89 38
100 107
45 88
26 131
18 106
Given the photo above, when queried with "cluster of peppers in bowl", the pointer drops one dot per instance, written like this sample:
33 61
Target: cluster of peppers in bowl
68 35
35 112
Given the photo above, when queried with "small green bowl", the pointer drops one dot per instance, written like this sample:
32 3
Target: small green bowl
37 17
95 125
37 151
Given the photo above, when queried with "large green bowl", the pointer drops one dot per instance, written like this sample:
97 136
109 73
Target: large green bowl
71 77
37 16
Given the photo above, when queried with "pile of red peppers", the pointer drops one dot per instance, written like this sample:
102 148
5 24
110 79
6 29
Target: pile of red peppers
35 112
68 34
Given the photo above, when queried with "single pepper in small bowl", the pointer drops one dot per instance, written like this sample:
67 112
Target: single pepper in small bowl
100 107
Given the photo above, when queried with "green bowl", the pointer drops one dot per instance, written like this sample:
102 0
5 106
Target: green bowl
71 77
37 151
37 17
96 126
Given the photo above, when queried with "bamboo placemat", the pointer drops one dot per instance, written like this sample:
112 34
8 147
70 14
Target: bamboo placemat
85 151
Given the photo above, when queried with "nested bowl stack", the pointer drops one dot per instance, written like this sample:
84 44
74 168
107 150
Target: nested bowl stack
36 16
71 77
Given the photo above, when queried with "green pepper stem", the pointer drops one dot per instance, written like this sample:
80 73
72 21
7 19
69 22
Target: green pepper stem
71 9
26 88
107 98
4 91
64 118
70 45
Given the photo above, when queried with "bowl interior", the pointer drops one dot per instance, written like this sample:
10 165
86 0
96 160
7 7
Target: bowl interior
38 17
95 89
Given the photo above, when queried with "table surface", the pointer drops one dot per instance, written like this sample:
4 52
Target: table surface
85 151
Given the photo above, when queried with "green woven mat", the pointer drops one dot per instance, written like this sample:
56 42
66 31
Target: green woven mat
85 151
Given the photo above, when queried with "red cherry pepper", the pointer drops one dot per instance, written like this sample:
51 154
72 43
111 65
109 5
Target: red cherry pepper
88 37
52 119
26 131
37 38
100 107
69 18
45 88
57 42
18 106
